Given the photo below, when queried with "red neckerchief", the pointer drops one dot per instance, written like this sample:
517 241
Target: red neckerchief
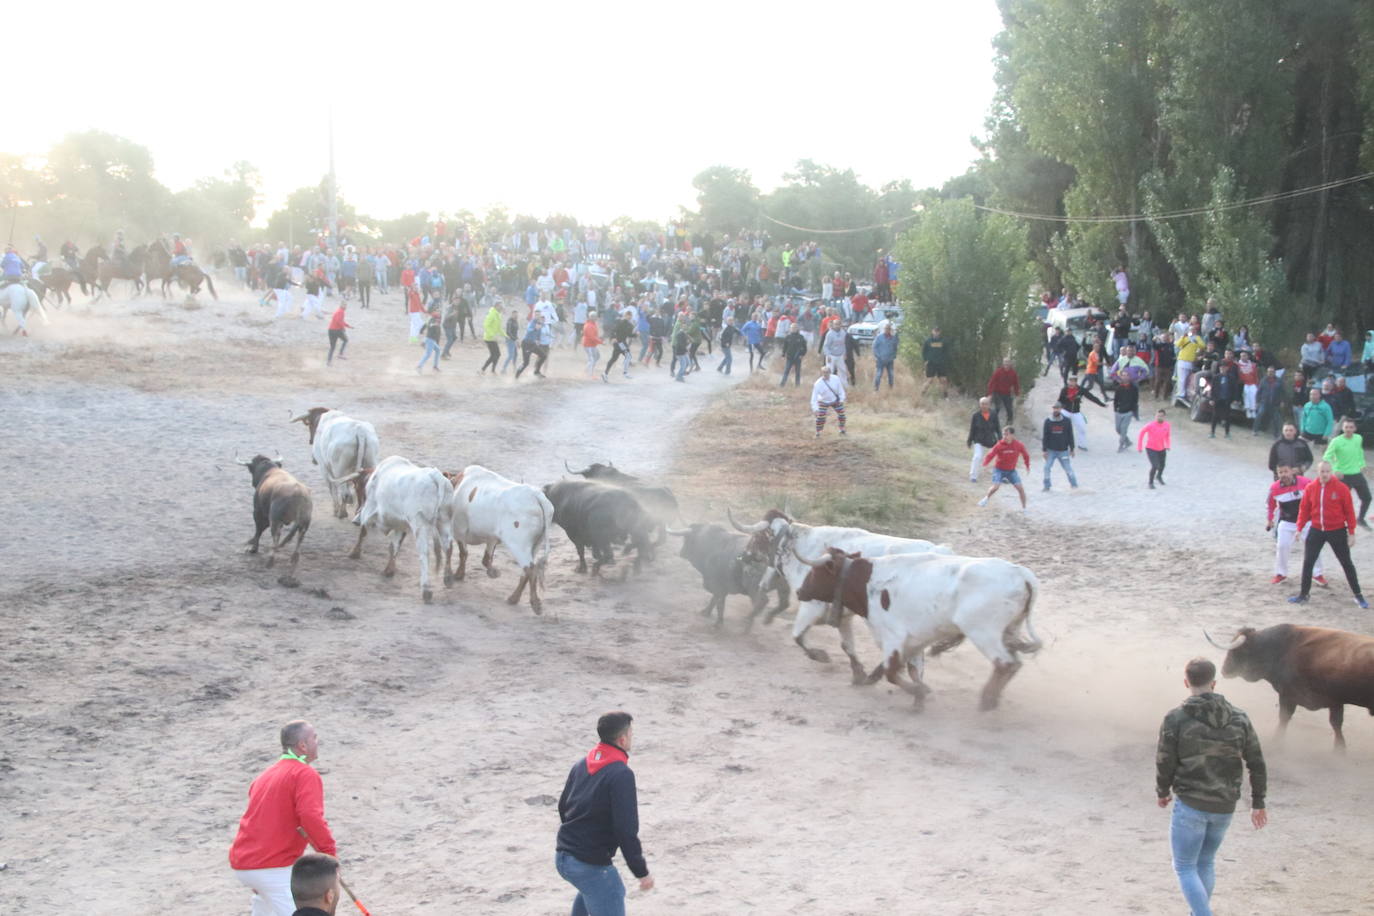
604 755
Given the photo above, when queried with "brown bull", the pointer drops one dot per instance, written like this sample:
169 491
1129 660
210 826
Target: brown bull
1311 667
278 499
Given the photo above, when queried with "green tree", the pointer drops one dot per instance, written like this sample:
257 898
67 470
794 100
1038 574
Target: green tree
1236 270
967 273
727 200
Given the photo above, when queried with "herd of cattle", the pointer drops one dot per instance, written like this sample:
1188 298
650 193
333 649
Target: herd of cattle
915 596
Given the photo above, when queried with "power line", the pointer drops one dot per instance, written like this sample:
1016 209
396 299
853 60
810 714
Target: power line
1117 218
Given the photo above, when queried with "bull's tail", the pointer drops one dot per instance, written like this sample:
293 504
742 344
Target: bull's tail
209 281
1034 644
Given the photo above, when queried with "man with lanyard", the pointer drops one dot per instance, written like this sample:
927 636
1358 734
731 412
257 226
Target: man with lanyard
1188 347
285 811
827 393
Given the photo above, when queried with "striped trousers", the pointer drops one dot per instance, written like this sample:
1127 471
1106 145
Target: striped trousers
821 414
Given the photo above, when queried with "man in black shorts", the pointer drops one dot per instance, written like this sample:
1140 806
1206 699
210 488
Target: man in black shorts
936 357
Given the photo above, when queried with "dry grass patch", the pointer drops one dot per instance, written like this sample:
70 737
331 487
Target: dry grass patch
897 471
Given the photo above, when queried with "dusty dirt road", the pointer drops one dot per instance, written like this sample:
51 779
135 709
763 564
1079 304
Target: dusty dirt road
147 662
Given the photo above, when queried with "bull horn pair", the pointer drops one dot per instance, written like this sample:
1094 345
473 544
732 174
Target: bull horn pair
744 529
1234 644
237 460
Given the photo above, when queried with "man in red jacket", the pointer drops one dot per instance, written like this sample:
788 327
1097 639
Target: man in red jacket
1002 386
1006 453
1326 504
285 810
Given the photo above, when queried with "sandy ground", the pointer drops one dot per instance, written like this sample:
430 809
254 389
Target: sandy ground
147 662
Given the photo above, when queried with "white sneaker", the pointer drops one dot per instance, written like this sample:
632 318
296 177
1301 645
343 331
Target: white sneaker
983 501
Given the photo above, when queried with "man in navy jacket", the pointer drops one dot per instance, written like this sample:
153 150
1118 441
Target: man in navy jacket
600 813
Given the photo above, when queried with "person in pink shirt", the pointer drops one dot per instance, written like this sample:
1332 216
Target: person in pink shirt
1155 441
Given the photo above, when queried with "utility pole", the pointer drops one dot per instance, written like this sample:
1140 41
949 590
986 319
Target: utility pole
333 188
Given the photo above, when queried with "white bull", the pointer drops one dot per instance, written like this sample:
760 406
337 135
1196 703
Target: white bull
781 535
342 447
488 509
915 601
404 498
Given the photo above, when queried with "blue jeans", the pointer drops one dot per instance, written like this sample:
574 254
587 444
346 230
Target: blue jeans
727 360
510 354
1195 836
600 892
883 366
430 347
1062 458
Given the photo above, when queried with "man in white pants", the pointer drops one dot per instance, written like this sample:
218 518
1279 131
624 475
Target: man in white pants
285 810
984 429
1285 494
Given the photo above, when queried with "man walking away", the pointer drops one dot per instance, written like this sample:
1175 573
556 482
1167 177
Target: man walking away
1201 746
1005 453
315 885
491 336
826 393
793 349
884 355
1285 494
983 432
1002 386
599 813
1155 440
1056 443
285 810
1126 404
1326 504
1346 454
337 324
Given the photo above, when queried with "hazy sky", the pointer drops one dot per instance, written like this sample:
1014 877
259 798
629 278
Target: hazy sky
596 109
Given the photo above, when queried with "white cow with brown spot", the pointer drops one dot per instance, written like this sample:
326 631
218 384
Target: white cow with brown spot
342 447
917 601
489 510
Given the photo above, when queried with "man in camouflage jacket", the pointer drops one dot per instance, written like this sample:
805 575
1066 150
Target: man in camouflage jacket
1202 747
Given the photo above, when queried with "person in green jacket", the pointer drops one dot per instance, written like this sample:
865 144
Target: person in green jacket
492 333
1346 454
1201 746
1316 418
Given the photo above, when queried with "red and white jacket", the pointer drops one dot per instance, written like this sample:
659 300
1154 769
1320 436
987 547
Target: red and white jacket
1327 506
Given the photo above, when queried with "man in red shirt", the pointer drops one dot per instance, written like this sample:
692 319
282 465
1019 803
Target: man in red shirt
1002 386
337 334
1006 453
285 809
1327 505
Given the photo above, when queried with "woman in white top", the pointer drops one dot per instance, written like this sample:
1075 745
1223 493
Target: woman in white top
828 393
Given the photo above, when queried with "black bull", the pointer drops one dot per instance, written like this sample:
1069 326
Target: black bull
597 516
659 502
718 555
1311 667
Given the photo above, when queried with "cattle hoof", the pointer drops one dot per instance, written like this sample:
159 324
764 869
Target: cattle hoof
818 655
492 573
428 596
986 705
538 609
448 579
388 572
355 554
271 561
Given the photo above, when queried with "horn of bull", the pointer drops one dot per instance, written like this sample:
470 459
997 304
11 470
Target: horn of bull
814 564
571 471
296 418
238 460
744 529
1235 643
279 459
678 532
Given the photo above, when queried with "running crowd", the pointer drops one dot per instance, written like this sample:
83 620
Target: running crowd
1314 407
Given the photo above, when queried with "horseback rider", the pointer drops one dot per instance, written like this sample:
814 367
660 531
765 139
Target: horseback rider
71 255
181 251
12 267
41 255
118 254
